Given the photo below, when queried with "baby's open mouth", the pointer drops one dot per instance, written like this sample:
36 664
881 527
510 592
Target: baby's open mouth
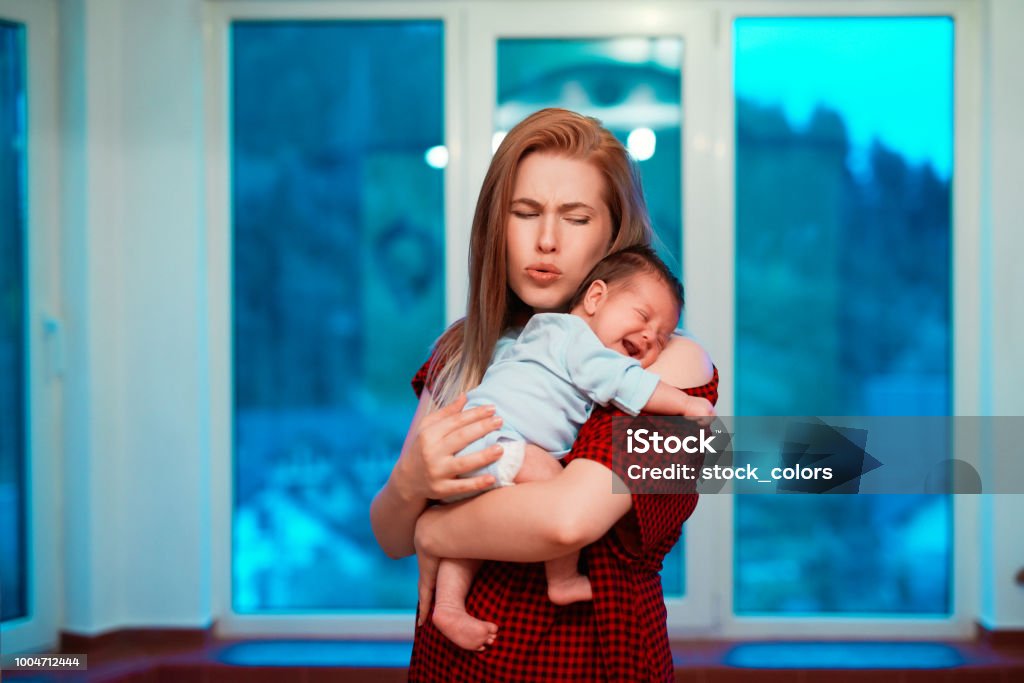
631 348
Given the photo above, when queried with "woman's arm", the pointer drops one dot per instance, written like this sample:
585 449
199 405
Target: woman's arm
426 469
531 522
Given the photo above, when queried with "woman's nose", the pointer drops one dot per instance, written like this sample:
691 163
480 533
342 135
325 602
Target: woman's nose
547 240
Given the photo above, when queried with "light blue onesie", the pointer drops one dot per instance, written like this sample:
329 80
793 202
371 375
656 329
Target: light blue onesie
544 385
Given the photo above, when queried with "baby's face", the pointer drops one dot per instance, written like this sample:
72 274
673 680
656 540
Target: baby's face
635 317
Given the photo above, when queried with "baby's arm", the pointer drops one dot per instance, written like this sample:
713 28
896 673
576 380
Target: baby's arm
606 377
667 400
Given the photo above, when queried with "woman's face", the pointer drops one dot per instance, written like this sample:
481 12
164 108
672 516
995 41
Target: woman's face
558 227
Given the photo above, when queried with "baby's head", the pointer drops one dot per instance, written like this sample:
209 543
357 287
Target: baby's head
631 301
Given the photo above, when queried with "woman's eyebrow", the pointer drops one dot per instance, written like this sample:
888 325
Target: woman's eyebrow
568 206
532 203
572 206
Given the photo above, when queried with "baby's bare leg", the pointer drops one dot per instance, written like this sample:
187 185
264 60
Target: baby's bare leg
538 465
565 584
454 578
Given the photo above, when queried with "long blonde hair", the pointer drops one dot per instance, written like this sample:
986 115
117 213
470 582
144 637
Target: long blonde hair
464 350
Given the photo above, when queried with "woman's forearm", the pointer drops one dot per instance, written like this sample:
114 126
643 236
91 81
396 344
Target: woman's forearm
394 509
393 519
531 522
511 523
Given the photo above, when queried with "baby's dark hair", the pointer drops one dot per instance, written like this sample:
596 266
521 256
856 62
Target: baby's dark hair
624 264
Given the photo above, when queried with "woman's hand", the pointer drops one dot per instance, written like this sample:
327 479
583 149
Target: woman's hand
426 469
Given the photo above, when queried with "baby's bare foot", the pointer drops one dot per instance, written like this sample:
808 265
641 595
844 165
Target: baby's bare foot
464 630
570 590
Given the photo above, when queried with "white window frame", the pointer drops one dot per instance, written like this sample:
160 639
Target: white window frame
967 332
706 29
38 630
217 23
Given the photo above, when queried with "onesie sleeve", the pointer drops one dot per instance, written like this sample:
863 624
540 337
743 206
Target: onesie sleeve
604 375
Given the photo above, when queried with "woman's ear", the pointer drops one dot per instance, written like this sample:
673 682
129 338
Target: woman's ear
596 293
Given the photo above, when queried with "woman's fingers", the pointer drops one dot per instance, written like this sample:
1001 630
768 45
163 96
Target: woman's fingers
468 463
464 434
439 430
448 431
453 408
474 461
460 487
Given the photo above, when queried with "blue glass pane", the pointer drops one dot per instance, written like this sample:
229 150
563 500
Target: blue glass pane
844 143
633 85
673 570
13 352
338 233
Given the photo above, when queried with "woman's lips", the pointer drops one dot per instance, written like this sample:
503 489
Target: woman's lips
543 273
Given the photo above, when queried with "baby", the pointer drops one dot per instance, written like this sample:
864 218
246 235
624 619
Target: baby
544 386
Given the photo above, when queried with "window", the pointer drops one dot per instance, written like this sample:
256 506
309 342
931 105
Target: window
13 351
844 139
795 155
338 230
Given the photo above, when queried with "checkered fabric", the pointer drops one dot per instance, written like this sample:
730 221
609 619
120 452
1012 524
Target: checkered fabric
619 636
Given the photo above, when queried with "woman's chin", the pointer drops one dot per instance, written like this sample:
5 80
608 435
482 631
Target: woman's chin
546 304
542 299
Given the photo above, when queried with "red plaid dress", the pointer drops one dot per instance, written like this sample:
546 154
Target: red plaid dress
619 636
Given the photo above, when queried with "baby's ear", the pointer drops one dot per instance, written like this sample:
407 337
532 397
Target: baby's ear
596 293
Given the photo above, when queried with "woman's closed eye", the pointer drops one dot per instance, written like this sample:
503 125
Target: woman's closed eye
525 214
578 220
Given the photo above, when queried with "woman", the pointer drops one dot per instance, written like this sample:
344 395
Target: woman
560 193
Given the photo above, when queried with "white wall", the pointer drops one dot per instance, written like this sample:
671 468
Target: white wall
1002 601
137 460
136 497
